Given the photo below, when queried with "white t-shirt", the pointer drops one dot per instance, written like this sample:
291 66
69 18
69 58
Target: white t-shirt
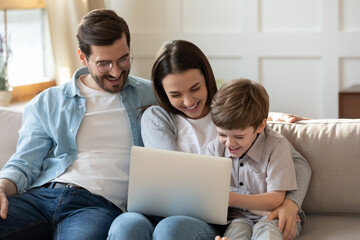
103 142
194 134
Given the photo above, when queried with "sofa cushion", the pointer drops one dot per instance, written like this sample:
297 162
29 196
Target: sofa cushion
332 148
10 122
331 227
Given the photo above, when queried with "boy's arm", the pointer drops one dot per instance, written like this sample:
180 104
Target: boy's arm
264 201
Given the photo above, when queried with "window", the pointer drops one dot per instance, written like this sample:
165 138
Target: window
30 67
28 62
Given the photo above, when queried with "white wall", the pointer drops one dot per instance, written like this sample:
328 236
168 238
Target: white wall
302 51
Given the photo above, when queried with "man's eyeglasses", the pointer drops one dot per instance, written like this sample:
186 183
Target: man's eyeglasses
106 66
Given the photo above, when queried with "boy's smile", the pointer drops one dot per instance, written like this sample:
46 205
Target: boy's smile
238 141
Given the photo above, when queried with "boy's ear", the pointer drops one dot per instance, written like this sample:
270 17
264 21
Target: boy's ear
262 126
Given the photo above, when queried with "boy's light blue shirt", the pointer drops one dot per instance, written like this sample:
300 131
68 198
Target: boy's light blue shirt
47 138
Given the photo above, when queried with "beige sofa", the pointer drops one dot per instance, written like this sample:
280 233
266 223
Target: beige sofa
332 148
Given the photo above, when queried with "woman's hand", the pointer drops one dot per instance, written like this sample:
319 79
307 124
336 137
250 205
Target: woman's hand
285 117
288 218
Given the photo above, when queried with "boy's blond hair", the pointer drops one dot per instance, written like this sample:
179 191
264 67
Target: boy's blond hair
239 104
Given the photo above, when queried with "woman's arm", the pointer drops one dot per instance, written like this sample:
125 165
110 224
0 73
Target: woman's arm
158 129
287 213
303 176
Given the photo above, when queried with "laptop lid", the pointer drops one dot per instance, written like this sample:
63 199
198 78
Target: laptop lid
168 183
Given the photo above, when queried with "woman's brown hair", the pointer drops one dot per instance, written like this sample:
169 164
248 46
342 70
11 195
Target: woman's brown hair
175 57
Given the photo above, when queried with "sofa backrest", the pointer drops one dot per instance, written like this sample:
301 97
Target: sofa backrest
10 122
332 149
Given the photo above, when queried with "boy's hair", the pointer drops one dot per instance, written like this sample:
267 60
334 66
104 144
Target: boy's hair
176 57
239 104
101 27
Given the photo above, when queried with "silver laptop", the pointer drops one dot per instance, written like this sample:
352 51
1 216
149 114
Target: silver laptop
168 183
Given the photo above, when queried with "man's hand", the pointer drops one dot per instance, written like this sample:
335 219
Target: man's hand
4 204
7 188
284 117
288 217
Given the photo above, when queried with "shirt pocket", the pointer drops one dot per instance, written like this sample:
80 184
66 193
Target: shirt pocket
258 182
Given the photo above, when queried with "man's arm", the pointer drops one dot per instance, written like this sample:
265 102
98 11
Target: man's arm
7 188
26 164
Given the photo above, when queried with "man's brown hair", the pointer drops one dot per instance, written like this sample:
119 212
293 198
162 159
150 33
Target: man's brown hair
101 27
239 104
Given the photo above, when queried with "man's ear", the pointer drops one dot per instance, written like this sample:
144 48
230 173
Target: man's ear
82 57
262 126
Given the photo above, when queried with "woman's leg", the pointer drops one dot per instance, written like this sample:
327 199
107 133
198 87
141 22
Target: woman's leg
182 227
131 226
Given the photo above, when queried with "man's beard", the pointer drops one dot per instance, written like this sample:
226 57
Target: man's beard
116 88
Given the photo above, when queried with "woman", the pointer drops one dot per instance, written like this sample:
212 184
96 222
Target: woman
184 85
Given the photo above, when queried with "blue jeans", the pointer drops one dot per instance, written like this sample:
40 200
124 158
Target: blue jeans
58 213
130 225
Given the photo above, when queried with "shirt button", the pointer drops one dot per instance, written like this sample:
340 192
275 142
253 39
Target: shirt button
241 183
241 164
71 130
80 106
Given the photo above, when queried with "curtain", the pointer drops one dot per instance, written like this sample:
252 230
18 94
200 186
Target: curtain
64 17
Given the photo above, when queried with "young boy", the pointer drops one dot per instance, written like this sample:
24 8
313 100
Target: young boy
263 169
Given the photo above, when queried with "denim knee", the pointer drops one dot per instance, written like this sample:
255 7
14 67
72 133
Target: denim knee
182 227
131 225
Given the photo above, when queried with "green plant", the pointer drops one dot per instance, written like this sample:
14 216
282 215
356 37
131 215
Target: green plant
4 56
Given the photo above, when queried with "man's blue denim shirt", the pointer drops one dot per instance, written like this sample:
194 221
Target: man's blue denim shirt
47 138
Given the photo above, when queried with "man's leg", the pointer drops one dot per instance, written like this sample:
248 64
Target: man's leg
27 217
130 226
182 227
83 215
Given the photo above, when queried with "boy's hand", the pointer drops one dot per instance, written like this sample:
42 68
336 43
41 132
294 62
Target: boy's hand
221 238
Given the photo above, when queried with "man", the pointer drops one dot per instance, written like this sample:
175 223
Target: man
68 178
